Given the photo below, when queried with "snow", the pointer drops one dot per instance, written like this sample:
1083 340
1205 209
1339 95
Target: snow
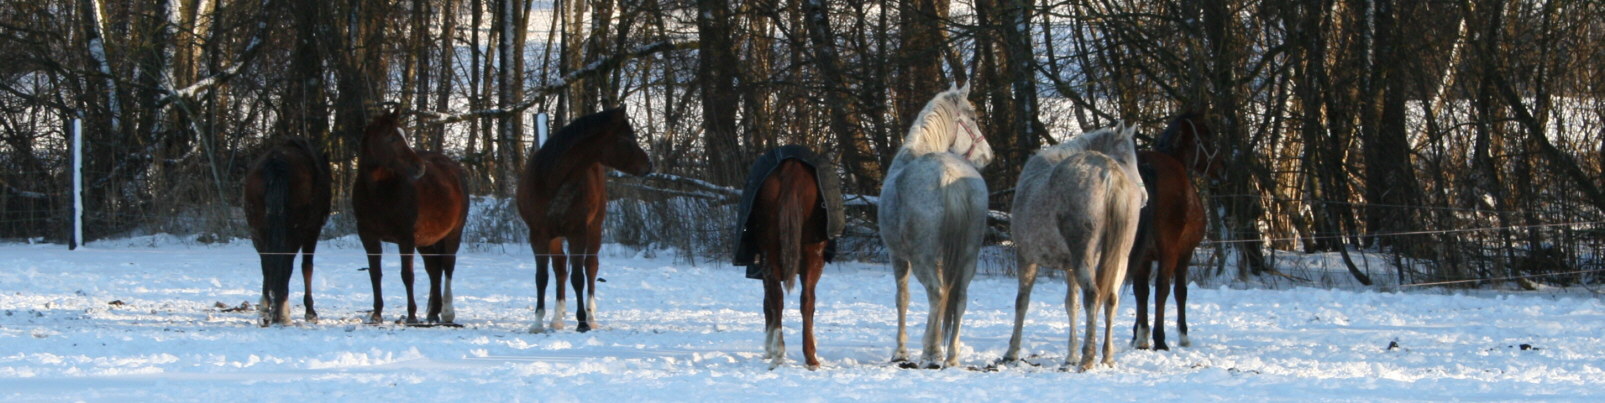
140 319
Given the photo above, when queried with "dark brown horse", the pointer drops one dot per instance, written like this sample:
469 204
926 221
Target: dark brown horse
1172 223
286 202
786 229
562 195
415 200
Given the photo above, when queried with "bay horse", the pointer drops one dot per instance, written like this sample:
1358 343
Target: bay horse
416 200
1076 208
933 208
286 202
787 227
562 195
1172 224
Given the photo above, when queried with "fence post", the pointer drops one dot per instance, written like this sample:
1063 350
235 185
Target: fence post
77 184
540 131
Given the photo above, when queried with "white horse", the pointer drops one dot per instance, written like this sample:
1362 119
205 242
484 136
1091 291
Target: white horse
932 215
1076 208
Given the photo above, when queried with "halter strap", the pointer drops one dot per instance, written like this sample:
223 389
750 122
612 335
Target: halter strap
1198 147
974 139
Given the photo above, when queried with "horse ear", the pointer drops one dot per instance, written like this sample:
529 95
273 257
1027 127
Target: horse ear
965 89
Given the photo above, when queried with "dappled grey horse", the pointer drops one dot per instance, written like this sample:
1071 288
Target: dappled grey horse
1076 208
932 215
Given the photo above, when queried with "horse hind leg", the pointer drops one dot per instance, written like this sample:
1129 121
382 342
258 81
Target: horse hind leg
938 297
773 307
1161 294
901 269
1140 332
1090 304
307 251
813 267
1181 299
1022 302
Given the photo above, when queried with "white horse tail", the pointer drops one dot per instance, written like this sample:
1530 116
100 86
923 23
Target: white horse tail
965 207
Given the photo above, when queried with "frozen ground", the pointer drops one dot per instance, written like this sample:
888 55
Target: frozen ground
145 319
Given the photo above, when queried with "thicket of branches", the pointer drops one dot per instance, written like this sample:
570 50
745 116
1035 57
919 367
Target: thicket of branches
1464 137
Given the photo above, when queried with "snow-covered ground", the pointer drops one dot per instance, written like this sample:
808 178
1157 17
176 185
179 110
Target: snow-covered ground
145 318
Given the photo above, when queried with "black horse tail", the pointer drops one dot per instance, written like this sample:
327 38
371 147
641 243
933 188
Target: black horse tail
276 200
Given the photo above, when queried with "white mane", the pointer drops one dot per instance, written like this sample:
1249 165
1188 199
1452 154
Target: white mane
941 127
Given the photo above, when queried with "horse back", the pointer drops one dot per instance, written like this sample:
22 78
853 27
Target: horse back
302 177
935 200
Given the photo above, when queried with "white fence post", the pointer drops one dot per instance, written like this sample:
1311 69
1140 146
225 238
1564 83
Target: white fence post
540 130
77 184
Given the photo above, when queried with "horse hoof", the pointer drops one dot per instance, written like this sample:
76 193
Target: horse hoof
1161 347
312 318
1184 341
931 365
813 366
906 364
582 328
557 324
375 318
537 329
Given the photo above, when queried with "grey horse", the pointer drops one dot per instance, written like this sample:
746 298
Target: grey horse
932 214
1076 209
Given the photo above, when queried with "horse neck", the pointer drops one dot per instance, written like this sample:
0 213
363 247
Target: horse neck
568 165
934 133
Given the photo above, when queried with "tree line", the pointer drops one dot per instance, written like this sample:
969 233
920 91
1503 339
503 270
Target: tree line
1464 137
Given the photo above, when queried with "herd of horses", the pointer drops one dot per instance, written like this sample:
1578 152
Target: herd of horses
1091 206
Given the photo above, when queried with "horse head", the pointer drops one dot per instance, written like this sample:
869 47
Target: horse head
1193 143
383 145
623 152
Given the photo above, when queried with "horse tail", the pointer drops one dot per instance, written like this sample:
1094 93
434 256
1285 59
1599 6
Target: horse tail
792 211
276 200
959 230
1122 218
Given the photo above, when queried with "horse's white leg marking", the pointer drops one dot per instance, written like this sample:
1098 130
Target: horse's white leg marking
1185 342
558 312
1143 341
590 310
774 348
540 322
447 313
284 312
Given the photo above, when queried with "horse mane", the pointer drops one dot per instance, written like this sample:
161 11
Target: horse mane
1114 141
1167 140
923 136
565 139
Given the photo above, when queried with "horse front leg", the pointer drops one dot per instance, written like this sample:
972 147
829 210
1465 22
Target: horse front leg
1022 302
1181 299
431 257
407 250
374 250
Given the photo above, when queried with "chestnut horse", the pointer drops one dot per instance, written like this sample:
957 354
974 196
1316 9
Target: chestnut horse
562 195
787 227
286 203
415 200
1172 223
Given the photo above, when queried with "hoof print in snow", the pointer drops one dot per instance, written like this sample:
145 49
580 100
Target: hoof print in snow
1525 347
906 364
1393 345
117 302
